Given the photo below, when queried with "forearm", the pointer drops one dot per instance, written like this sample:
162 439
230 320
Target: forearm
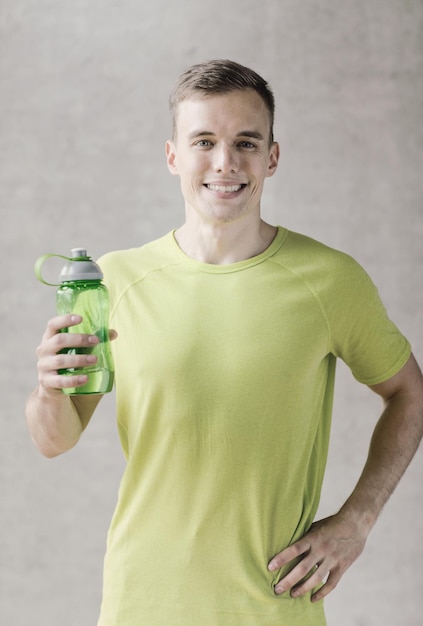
56 421
394 442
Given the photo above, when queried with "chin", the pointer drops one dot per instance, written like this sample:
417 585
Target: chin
225 215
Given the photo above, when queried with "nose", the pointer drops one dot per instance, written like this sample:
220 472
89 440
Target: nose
225 159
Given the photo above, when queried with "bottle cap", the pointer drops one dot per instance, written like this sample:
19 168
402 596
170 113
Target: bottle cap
78 267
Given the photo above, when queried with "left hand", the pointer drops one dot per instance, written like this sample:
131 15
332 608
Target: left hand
326 552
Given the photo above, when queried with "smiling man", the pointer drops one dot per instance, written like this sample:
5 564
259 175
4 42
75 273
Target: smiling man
222 151
229 331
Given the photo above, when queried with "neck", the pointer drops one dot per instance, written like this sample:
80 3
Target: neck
226 243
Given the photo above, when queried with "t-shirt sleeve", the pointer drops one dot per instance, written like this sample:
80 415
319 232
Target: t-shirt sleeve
361 333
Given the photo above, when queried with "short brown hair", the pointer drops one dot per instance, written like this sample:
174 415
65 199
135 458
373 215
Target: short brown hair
220 76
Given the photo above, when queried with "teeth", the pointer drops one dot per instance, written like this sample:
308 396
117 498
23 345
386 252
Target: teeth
224 188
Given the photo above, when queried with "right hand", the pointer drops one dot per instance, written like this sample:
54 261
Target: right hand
55 419
51 360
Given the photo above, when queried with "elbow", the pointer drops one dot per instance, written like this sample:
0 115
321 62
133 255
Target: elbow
55 448
51 451
50 447
47 437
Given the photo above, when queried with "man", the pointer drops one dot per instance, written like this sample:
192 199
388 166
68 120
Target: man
229 329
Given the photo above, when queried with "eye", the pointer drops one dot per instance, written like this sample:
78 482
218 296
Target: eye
247 145
203 143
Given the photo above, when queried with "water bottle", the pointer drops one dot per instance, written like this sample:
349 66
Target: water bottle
82 292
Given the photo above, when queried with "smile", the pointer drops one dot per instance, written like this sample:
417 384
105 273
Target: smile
225 188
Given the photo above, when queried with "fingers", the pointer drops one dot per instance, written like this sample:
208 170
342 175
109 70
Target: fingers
305 577
303 571
56 324
289 554
112 334
60 351
329 582
320 558
51 370
60 322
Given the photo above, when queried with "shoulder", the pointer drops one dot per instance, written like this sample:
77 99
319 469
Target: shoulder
140 259
319 263
146 251
121 268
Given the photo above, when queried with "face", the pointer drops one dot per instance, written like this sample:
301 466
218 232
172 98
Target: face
222 154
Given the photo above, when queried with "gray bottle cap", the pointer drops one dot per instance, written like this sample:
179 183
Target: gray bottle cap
80 267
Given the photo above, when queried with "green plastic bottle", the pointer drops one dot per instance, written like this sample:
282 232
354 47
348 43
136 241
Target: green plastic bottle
82 292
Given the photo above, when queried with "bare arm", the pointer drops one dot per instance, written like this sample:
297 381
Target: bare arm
333 544
56 420
394 442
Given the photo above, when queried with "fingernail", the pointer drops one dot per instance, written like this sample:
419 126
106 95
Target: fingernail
272 567
75 318
91 358
93 339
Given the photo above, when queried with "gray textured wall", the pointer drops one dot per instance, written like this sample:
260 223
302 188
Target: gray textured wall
83 121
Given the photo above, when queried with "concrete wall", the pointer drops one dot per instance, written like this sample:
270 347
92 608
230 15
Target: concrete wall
83 121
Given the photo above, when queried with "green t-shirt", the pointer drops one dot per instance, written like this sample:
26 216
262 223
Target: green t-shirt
224 379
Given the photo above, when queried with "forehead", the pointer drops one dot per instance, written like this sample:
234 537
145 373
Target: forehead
231 111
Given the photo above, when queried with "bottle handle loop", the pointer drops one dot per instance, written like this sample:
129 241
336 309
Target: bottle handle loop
40 262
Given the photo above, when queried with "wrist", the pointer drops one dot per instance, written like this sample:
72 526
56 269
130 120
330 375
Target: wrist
364 517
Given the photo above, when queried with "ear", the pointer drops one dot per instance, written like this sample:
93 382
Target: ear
273 159
171 158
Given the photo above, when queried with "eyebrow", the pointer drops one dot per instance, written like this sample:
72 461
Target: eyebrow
252 134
